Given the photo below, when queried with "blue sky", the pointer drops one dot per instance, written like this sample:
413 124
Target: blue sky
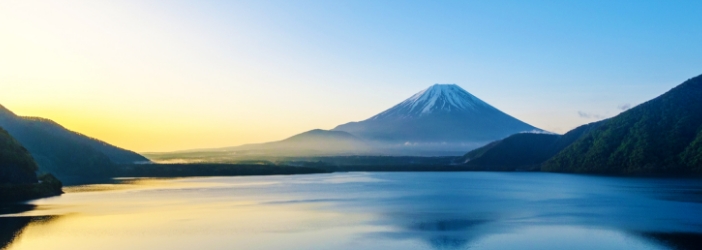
167 75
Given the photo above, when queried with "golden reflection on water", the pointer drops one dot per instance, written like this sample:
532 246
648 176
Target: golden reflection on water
144 214
136 183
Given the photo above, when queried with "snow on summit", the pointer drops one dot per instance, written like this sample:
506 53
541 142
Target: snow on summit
439 120
437 98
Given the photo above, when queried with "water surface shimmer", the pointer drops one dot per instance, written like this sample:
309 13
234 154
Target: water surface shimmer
466 210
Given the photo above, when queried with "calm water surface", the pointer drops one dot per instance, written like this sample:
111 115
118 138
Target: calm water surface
365 211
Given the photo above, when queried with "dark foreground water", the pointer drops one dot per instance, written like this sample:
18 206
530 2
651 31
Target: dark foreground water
366 211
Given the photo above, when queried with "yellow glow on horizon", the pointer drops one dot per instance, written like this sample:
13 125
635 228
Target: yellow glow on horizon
139 79
154 134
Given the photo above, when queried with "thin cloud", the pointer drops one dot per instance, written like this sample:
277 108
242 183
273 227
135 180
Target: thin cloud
589 115
624 107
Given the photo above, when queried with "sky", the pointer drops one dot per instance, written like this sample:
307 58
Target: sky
155 76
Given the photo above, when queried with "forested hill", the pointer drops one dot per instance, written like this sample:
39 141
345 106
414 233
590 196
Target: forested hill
661 136
63 152
16 164
520 151
524 151
18 180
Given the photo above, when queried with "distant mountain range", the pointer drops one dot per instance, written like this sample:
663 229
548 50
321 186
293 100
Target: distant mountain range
62 152
441 120
313 142
661 136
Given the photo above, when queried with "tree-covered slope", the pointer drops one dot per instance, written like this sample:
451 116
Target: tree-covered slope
525 151
16 164
516 151
661 136
63 152
18 180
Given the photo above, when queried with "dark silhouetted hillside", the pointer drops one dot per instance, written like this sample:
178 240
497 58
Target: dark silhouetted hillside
63 152
18 180
517 151
16 164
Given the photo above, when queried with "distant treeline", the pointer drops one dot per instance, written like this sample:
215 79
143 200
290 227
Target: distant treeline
378 163
398 168
370 160
298 166
204 169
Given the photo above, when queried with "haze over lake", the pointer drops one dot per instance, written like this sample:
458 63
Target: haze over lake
466 210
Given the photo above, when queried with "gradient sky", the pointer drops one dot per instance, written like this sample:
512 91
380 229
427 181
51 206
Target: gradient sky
170 75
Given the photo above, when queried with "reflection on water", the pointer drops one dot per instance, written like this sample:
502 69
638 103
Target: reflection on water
11 227
440 234
366 211
13 208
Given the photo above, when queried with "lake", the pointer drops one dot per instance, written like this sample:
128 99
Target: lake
449 210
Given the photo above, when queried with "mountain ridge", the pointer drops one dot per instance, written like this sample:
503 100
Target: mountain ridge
441 116
662 135
64 152
438 97
312 142
18 179
432 122
16 163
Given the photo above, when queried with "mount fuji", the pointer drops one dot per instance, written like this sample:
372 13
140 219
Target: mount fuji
441 118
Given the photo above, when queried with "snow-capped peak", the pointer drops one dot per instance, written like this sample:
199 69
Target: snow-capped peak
437 98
